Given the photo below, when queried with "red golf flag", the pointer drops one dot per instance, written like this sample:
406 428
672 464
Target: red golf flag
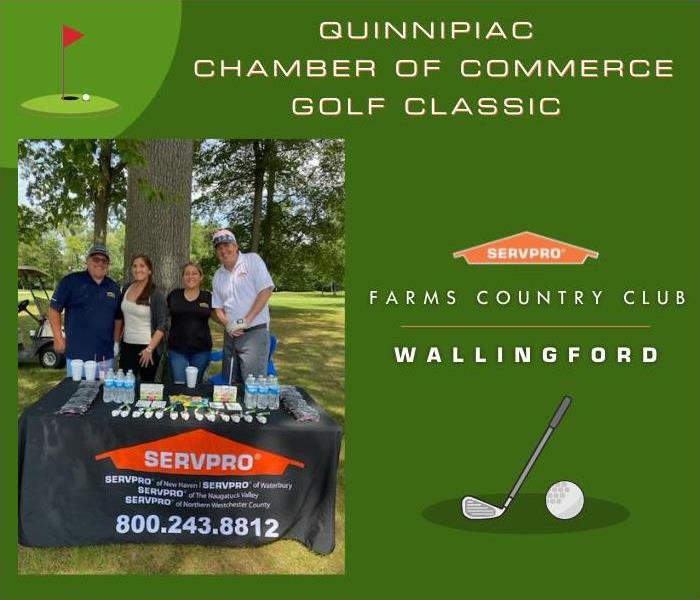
70 35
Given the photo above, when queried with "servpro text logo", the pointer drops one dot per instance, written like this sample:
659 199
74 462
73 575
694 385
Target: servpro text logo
199 452
525 248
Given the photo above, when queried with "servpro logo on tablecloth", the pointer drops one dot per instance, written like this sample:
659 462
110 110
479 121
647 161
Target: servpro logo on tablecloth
525 248
199 452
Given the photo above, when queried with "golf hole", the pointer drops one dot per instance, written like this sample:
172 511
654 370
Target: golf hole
70 98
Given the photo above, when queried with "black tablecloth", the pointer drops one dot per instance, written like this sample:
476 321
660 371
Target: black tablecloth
97 479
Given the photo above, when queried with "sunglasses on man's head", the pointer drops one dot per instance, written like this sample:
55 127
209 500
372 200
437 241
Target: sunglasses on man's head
100 259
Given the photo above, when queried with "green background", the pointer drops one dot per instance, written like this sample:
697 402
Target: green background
617 173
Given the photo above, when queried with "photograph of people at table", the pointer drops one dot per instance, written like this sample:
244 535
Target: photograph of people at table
93 321
208 276
189 336
145 322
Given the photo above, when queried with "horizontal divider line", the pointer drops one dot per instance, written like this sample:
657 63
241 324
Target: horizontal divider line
525 326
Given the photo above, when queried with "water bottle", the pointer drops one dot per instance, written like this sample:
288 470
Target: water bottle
108 389
274 391
251 390
261 382
119 387
130 387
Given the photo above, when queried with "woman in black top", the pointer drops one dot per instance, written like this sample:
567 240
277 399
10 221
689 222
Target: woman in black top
189 340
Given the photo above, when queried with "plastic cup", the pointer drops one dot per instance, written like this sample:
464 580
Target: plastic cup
191 373
76 369
90 370
102 370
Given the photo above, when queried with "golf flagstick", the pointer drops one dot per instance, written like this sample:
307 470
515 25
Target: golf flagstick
68 36
565 402
473 508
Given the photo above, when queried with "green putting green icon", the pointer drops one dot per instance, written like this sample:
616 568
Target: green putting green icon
71 104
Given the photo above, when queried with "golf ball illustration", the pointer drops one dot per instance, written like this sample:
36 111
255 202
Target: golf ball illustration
86 97
564 500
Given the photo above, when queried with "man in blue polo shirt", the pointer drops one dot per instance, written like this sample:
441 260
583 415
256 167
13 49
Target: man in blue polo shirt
93 316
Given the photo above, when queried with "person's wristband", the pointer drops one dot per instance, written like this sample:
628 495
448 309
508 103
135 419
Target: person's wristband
148 348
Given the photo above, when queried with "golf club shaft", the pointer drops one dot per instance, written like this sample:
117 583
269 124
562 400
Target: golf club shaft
555 420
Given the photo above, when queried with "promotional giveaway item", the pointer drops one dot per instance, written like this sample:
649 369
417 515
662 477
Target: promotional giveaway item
225 393
295 404
81 400
151 391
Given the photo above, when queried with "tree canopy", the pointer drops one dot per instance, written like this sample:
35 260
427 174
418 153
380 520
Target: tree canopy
282 198
68 180
302 212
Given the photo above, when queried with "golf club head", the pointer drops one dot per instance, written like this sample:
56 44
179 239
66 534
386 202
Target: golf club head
473 508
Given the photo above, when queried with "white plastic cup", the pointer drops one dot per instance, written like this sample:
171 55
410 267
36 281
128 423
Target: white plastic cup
102 370
76 369
191 373
90 370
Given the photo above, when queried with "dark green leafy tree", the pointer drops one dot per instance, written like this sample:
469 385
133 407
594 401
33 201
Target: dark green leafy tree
69 180
284 199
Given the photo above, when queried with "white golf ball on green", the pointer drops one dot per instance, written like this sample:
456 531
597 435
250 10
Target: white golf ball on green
564 500
86 97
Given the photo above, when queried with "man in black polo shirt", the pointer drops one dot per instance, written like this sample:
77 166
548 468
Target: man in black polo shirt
93 316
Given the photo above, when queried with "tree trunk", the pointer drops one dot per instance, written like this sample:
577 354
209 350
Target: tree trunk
262 153
158 210
270 200
103 192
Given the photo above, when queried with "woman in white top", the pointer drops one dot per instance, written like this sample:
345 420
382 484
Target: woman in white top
145 321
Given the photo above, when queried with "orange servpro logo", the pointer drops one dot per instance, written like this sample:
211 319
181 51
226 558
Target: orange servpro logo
199 452
525 248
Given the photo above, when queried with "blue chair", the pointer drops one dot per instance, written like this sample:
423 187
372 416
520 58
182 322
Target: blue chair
218 355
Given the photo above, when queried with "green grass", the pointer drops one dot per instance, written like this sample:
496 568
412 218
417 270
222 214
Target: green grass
310 329
55 105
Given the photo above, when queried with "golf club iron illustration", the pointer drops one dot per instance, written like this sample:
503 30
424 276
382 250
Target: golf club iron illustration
473 508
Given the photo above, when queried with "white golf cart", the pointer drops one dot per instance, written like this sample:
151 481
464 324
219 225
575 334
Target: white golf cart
40 343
